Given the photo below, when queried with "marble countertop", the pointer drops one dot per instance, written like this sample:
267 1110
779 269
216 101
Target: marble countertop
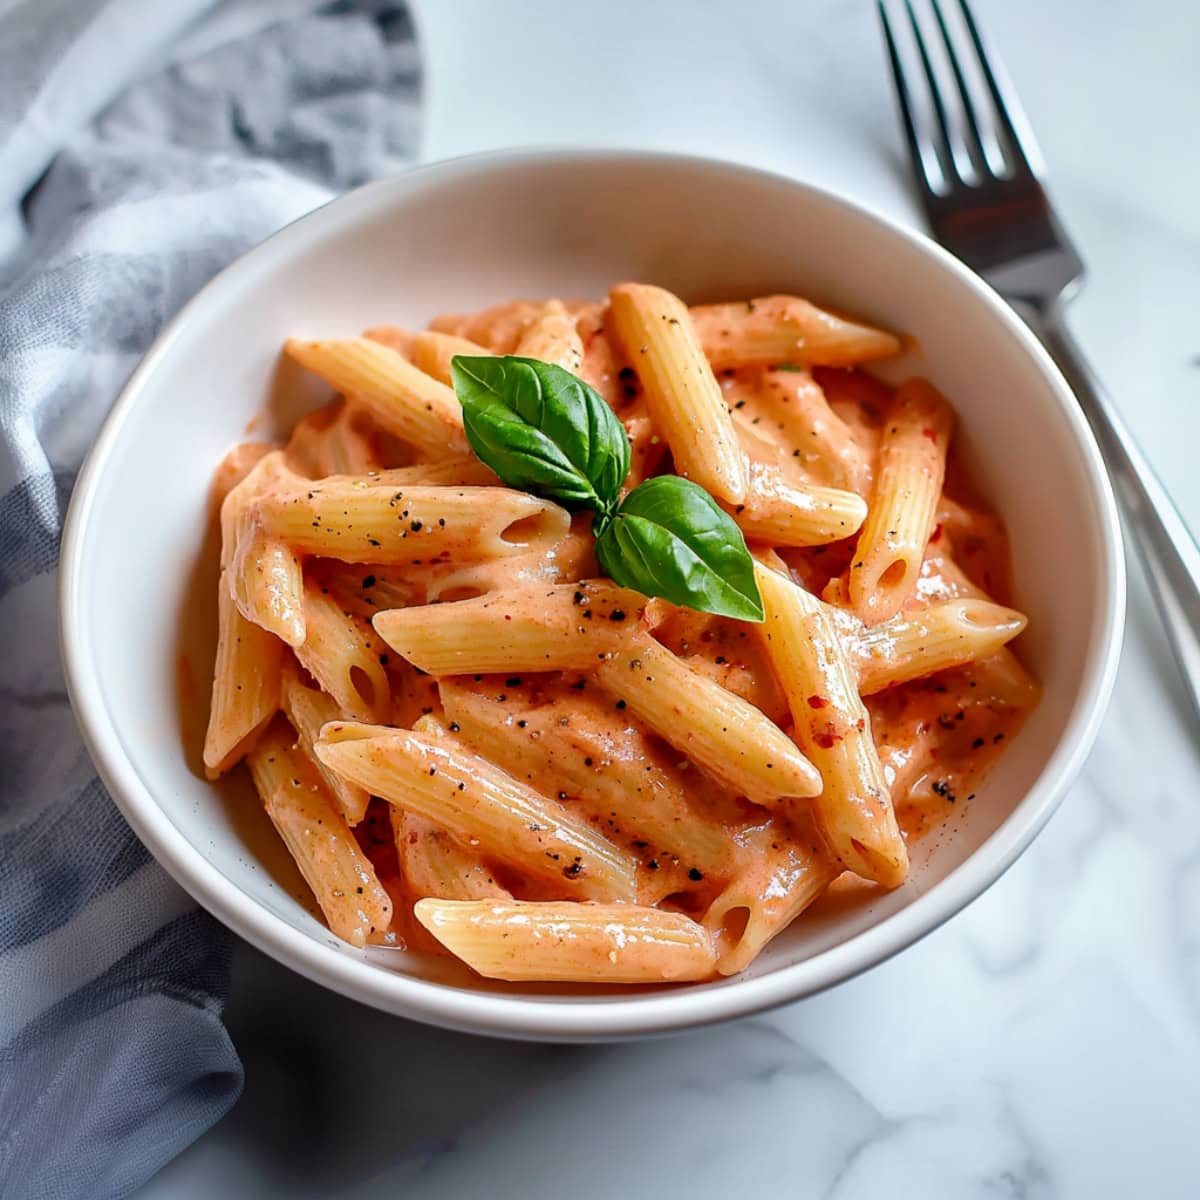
1046 1042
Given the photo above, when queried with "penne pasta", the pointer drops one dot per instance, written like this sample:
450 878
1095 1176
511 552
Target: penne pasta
854 809
498 328
570 943
431 352
553 338
561 628
267 583
718 731
943 635
600 761
347 445
440 779
364 521
246 685
782 876
786 513
786 329
601 368
655 333
343 655
340 875
568 561
900 519
401 399
793 405
308 710
434 864
392 336
362 591
270 472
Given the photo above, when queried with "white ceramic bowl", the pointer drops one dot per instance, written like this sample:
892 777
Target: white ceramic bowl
463 234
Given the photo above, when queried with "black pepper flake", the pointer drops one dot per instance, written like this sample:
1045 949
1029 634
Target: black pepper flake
587 762
719 660
621 704
415 526
998 738
383 660
617 614
514 681
369 581
454 726
695 875
522 724
573 870
977 743
652 865
562 795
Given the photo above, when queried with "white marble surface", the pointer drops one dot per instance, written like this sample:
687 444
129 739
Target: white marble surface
1045 1043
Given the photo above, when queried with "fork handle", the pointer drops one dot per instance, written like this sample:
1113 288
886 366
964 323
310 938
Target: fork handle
1167 548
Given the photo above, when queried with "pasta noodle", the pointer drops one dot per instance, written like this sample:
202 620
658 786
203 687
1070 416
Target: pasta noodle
683 396
786 329
341 876
473 744
561 628
854 810
441 780
912 464
370 522
403 400
431 352
570 943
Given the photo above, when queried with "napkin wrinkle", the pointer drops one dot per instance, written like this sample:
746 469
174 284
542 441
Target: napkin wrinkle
143 146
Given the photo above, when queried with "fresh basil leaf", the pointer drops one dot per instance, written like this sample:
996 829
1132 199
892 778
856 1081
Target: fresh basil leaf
542 429
670 539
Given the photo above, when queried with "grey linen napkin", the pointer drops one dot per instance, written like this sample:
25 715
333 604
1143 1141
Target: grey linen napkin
143 145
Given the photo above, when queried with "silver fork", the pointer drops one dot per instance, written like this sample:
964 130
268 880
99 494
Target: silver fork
979 175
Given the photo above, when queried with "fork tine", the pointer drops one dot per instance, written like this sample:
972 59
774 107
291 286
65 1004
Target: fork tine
916 144
1009 114
945 147
977 142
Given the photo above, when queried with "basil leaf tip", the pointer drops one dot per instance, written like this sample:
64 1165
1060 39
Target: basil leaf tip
670 539
542 430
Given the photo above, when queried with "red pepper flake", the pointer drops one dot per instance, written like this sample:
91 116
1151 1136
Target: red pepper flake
930 434
828 737
936 535
817 702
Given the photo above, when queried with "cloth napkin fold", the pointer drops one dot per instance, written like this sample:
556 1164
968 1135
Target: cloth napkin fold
143 145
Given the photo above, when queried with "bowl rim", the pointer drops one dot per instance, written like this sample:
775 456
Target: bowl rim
575 1018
